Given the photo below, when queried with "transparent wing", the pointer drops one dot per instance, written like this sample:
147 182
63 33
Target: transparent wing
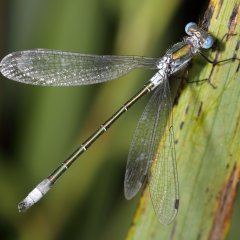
140 157
154 128
163 174
57 68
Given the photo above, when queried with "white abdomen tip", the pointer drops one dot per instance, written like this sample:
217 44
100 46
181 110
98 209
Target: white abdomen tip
35 195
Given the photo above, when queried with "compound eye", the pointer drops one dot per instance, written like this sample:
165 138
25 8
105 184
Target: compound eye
188 26
208 42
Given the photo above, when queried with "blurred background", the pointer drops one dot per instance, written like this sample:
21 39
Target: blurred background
41 126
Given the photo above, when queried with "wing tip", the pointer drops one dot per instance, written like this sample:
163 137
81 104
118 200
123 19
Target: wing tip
166 220
131 190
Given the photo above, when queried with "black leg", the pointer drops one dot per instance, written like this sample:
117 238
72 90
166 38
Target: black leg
214 62
185 77
217 47
201 81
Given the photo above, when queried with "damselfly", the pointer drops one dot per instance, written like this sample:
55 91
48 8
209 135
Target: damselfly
56 68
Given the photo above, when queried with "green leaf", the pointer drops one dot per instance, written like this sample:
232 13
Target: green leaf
207 133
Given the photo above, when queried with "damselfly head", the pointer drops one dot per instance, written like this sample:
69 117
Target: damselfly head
205 39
